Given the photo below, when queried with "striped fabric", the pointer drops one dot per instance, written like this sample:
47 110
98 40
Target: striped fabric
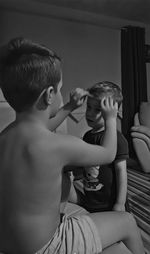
139 201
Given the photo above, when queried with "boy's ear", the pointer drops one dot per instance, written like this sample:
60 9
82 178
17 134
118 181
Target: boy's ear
48 95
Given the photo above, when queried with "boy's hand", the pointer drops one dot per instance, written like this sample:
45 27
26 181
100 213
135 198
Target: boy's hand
109 108
77 98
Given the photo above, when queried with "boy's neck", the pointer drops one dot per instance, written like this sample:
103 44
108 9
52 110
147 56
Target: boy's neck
33 117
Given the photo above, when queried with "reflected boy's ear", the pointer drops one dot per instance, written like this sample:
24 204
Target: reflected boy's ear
48 95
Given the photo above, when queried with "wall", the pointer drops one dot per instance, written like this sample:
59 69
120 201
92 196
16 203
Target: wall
90 53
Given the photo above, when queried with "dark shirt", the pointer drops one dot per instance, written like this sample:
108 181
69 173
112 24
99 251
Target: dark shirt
104 199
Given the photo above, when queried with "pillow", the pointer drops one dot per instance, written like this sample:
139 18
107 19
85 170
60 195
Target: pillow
144 114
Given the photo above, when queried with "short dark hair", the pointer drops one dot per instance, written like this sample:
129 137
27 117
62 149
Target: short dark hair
26 69
100 89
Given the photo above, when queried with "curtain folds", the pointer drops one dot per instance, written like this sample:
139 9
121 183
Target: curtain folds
133 76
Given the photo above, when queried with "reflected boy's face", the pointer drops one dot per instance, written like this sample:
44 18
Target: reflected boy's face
93 114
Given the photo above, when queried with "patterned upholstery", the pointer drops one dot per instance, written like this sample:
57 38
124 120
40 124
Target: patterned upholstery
144 114
139 201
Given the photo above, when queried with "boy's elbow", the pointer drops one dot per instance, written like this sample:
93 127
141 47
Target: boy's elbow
111 156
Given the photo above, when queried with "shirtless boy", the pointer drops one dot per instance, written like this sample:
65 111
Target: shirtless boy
32 159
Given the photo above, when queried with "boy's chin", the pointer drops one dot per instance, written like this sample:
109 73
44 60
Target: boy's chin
53 113
90 124
93 126
98 127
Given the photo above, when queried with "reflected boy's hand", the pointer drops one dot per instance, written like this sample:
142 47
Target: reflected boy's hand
77 97
109 108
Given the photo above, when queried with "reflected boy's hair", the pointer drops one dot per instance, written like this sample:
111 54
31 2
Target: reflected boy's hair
106 88
26 69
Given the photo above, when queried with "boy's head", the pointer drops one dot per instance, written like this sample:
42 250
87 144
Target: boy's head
98 91
27 70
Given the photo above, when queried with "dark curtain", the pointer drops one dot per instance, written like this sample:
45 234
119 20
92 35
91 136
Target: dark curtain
133 76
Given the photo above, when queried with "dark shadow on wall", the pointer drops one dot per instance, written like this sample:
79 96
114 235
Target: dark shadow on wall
133 75
2 25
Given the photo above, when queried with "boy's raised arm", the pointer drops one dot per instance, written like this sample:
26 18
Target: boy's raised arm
78 152
110 122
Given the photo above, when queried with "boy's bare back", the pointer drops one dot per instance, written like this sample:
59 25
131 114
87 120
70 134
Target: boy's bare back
31 157
30 174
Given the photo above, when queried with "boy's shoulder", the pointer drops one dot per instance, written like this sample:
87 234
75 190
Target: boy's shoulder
61 141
